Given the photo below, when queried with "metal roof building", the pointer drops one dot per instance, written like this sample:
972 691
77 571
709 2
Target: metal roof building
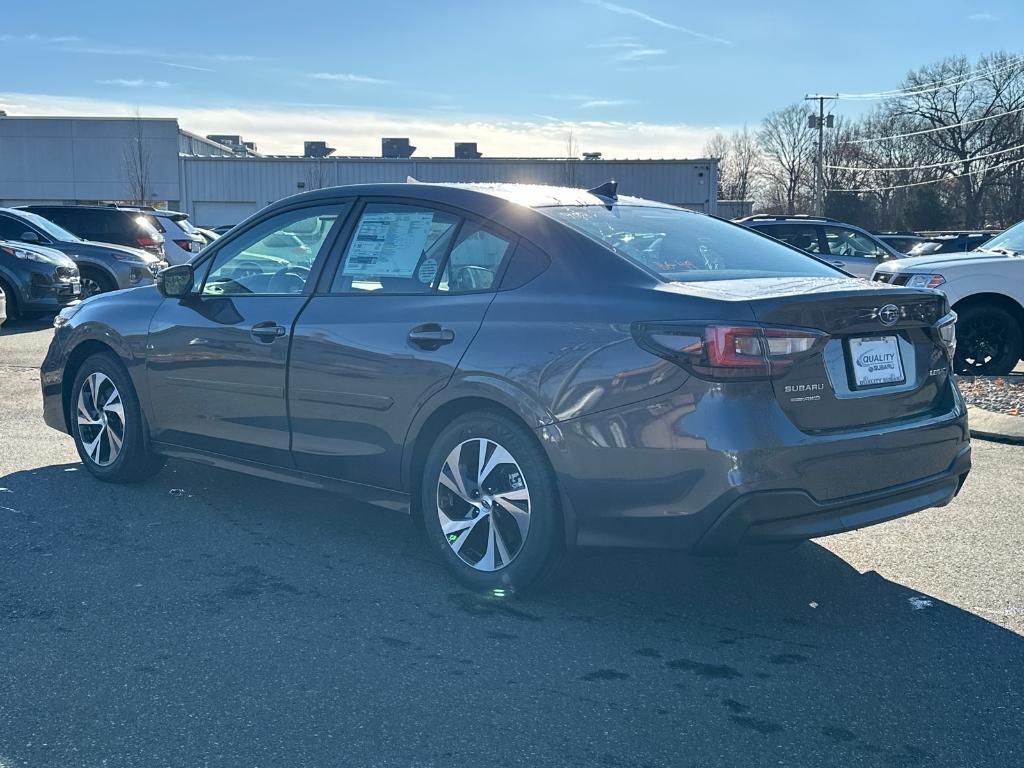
71 160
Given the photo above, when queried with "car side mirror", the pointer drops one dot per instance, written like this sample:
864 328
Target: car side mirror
29 237
175 282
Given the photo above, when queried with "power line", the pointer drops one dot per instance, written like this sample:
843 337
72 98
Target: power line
934 130
933 86
923 167
1007 164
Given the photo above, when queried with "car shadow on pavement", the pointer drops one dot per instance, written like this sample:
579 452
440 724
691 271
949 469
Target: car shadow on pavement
204 613
25 325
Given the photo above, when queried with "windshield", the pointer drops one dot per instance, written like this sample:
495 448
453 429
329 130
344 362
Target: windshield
1010 241
53 230
680 245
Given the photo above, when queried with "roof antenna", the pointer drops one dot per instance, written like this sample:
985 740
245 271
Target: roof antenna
606 190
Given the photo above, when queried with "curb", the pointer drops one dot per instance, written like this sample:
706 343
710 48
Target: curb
995 426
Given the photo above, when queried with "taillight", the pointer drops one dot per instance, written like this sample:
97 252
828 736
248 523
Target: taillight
185 245
720 351
146 241
947 332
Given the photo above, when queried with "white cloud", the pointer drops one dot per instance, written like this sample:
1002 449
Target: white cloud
136 83
358 132
191 67
638 14
606 103
981 16
347 77
616 44
640 54
33 37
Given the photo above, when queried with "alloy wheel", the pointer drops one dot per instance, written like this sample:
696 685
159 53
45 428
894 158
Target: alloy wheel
90 287
483 504
982 343
100 417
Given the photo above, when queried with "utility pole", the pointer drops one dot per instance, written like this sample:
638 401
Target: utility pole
820 121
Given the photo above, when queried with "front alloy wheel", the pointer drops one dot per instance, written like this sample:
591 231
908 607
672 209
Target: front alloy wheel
100 418
483 504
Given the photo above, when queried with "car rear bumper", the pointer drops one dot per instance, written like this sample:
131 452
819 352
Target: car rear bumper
720 472
782 516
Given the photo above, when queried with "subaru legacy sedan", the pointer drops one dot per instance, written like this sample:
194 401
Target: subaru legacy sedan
526 370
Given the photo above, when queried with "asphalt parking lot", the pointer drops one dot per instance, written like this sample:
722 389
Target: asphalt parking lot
210 619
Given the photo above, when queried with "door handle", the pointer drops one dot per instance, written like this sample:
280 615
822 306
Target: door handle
268 331
431 336
840 264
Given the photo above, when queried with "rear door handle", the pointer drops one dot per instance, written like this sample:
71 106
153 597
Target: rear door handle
431 336
268 331
840 264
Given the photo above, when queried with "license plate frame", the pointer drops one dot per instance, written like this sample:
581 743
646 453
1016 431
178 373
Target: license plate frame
869 364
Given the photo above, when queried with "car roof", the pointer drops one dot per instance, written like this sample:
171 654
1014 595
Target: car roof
475 195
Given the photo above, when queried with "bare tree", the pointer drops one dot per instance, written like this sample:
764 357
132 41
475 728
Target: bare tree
572 154
135 162
738 160
786 142
316 175
968 104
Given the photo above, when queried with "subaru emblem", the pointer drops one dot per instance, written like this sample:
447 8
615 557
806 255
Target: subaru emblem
889 314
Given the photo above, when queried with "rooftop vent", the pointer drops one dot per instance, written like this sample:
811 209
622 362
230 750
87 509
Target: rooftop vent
316 149
466 150
591 155
396 148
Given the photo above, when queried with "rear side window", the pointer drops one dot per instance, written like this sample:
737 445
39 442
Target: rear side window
680 245
395 249
475 262
802 236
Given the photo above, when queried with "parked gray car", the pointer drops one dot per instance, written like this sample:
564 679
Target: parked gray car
526 370
103 266
36 279
842 245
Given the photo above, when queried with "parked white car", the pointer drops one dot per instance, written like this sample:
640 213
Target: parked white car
181 240
986 289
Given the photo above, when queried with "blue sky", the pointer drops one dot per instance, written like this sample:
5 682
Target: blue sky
636 78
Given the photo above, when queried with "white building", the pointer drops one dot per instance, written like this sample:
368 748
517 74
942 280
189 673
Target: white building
88 160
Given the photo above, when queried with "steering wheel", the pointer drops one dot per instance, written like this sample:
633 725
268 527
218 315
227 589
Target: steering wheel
288 280
472 278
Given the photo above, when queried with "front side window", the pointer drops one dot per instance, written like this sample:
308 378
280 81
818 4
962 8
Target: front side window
275 256
395 249
680 245
850 243
54 230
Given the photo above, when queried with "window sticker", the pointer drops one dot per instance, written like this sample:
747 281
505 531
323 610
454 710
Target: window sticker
388 244
427 271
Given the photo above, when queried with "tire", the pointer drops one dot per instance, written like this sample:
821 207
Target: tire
13 313
528 547
95 428
989 341
94 281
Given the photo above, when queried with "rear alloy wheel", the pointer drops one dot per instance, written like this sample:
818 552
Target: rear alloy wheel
490 505
989 341
107 424
485 515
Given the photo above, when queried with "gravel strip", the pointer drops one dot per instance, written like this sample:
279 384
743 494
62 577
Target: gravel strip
999 394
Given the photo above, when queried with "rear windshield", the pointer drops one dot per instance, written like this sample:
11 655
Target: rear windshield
680 245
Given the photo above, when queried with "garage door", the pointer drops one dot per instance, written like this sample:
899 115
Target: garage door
216 213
